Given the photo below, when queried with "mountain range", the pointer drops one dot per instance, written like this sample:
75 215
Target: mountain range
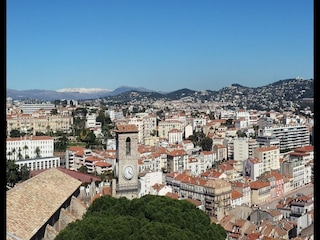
70 93
283 90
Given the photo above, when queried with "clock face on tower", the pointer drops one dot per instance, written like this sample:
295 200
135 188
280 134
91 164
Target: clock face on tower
128 172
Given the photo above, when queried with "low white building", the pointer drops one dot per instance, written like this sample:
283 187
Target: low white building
39 163
147 180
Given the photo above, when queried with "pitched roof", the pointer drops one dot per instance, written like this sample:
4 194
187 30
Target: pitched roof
235 194
83 177
31 203
126 128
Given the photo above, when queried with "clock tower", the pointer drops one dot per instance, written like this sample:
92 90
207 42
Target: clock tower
125 183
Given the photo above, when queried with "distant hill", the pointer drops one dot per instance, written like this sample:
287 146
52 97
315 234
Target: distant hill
75 94
283 90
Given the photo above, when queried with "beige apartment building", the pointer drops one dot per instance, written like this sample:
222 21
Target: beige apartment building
32 123
269 157
214 194
165 126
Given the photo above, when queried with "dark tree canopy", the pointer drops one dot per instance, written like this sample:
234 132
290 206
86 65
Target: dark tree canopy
149 217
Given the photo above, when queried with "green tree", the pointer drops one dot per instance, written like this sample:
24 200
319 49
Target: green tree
83 169
25 148
149 217
14 153
206 144
15 133
37 152
61 144
24 173
12 173
19 153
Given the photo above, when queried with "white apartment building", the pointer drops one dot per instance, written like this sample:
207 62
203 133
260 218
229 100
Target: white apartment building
75 157
165 126
227 114
236 198
290 136
29 108
175 136
147 180
115 115
300 172
240 149
269 157
240 123
91 120
243 114
177 160
146 124
254 116
209 158
268 141
196 165
198 123
188 131
29 147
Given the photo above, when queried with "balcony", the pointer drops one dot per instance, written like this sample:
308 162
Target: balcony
127 187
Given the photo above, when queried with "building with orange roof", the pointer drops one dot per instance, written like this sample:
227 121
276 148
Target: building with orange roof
236 198
209 158
213 174
175 136
165 126
221 152
245 190
260 192
177 160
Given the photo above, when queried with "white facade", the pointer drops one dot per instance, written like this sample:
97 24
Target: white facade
198 123
240 149
209 158
269 157
90 120
188 131
165 126
147 180
29 108
39 163
241 114
29 147
175 136
290 136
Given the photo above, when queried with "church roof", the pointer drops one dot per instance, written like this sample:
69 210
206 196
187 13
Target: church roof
30 204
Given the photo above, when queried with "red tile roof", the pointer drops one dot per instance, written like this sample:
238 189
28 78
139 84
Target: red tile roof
83 177
123 128
235 194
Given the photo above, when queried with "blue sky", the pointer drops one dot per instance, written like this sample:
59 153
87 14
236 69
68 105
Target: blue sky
162 45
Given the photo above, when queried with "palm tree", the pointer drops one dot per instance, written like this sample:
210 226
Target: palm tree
14 153
37 151
19 153
9 154
25 150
